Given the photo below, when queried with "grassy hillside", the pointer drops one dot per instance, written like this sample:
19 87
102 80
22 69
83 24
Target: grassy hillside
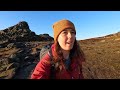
102 57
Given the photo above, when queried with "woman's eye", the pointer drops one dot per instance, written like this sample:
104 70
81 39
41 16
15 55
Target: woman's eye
73 32
64 32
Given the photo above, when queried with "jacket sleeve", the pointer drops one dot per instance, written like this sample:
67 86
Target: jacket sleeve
42 69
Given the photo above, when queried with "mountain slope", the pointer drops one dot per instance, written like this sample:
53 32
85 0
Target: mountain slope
102 57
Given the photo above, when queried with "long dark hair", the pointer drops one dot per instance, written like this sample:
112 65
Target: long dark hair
76 51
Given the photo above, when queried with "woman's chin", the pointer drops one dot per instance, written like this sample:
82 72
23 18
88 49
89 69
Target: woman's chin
68 48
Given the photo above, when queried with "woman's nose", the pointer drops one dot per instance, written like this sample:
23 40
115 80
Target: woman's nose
69 35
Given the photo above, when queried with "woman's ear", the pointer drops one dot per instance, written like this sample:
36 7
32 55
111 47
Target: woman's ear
53 26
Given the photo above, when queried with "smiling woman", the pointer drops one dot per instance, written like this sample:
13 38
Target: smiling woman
65 54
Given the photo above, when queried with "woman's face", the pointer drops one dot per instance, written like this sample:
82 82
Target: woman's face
66 39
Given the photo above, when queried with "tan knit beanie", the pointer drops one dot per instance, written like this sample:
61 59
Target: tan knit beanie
60 26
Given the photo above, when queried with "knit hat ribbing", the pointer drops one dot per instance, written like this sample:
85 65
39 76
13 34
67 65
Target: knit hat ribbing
60 26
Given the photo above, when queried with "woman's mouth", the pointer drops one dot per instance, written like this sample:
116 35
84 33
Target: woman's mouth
69 42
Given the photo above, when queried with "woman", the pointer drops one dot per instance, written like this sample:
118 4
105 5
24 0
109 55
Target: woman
66 54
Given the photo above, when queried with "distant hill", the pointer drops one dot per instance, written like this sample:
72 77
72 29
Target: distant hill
20 48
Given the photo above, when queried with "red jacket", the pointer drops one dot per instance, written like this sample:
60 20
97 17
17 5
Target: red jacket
42 70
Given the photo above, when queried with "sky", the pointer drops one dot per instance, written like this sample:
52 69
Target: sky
88 24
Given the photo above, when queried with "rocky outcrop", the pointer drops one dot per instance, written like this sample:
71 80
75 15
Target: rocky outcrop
19 51
21 33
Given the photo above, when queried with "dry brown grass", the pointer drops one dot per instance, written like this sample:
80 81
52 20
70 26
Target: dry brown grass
102 59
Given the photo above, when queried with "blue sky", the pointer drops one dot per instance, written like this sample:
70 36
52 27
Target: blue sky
89 24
